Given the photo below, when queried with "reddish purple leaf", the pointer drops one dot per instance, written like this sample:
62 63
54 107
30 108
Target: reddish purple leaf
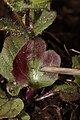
51 58
30 59
20 64
32 49
39 48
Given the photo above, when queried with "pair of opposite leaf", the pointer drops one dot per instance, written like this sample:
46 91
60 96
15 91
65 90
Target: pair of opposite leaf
41 17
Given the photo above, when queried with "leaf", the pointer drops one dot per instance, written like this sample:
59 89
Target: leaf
76 61
39 1
11 46
24 116
77 79
76 64
16 118
40 4
68 92
44 21
9 25
14 89
30 59
37 7
10 108
16 107
13 118
18 5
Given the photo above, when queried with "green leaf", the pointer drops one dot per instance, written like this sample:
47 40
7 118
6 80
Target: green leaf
10 108
39 1
65 87
14 89
24 116
9 25
76 64
40 4
68 92
16 107
11 47
40 79
18 5
77 79
44 21
37 9
76 61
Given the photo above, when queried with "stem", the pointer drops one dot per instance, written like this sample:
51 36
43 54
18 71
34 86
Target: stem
60 70
45 96
27 18
13 14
